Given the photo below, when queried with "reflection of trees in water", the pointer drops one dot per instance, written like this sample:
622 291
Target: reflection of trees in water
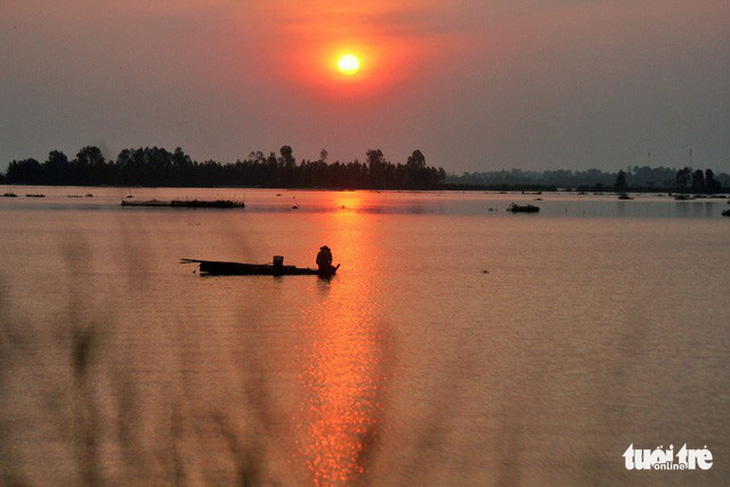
695 209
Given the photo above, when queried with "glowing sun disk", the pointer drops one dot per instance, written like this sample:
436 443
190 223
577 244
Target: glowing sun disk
348 64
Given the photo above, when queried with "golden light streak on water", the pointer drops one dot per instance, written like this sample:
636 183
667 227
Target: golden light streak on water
341 370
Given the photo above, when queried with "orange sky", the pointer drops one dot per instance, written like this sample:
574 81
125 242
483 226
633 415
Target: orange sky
476 85
397 43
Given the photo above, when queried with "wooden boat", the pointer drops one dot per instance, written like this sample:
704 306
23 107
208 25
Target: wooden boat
146 203
218 268
208 204
515 208
188 203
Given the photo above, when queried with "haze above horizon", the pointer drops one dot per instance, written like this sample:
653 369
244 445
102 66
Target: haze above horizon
475 85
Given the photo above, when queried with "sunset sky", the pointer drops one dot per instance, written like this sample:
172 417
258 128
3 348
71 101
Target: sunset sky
476 85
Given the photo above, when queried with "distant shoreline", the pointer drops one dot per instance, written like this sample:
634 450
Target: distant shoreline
157 167
523 189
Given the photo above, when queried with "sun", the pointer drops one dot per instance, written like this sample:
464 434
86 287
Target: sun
348 64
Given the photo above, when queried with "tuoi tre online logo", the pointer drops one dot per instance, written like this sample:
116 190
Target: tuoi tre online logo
659 459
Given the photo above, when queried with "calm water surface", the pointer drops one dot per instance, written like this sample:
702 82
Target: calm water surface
456 345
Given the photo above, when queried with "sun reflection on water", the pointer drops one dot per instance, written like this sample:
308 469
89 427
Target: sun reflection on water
341 370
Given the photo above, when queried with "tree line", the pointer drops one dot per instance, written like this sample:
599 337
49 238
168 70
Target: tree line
154 166
640 178
697 181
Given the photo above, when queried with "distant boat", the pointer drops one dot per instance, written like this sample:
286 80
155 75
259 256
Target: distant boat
208 204
146 203
683 197
10 195
188 203
625 196
515 208
218 268
35 195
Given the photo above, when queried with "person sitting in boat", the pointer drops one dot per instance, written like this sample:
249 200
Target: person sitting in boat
324 259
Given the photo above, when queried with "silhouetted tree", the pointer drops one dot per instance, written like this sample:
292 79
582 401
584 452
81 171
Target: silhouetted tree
712 184
416 160
90 156
621 182
287 155
287 167
683 178
377 169
698 180
181 168
88 167
417 175
26 171
57 169
646 176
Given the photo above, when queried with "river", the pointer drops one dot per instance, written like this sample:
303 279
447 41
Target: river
459 344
